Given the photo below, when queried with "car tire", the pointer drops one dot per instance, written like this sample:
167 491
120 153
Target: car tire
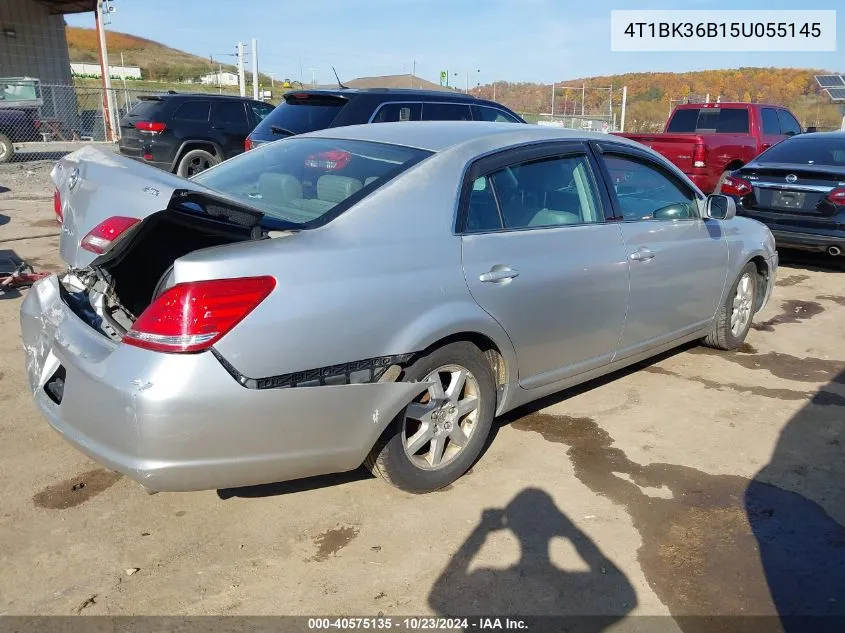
195 162
7 148
394 457
728 333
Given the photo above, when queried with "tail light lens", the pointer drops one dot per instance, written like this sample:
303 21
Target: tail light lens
333 160
103 236
57 206
699 155
837 197
191 317
733 186
151 126
247 144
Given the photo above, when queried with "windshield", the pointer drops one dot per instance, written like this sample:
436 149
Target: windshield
307 181
808 150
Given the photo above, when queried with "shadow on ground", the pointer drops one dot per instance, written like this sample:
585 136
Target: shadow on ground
534 585
294 486
791 504
819 262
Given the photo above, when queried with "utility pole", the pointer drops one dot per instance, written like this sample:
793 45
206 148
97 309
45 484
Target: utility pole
624 104
553 102
494 91
255 69
108 97
583 97
241 79
414 73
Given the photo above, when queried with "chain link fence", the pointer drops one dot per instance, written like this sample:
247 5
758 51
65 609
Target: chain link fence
43 122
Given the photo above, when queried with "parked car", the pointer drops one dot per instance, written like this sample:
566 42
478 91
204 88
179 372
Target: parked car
16 126
797 189
371 294
707 141
188 133
310 110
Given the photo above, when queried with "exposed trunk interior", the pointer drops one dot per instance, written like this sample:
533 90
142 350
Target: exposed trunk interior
136 266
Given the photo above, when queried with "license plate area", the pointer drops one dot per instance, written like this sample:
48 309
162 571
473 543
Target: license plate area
788 199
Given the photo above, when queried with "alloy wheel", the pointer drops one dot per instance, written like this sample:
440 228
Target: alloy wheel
742 305
440 422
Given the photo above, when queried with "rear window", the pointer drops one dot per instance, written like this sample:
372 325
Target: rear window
144 109
299 114
308 181
719 120
809 150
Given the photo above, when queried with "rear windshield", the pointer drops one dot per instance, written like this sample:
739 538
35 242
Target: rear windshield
144 108
719 120
300 114
308 181
809 150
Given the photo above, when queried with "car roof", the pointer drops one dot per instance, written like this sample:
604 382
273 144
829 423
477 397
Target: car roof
192 95
403 92
437 136
730 104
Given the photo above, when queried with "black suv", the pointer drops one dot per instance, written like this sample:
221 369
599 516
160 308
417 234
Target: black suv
309 110
187 133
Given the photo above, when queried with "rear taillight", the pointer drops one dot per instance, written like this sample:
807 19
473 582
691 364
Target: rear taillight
57 206
733 186
103 236
333 160
699 155
191 317
150 126
248 144
837 197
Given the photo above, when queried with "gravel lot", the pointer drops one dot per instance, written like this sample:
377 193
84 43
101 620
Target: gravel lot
701 483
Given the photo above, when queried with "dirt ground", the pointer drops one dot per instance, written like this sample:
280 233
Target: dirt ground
700 483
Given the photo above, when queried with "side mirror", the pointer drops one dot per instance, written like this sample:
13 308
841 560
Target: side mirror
720 207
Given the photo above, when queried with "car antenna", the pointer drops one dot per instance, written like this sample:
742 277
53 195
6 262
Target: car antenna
340 85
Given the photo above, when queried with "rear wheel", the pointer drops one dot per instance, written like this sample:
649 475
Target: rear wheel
7 149
195 161
443 430
734 318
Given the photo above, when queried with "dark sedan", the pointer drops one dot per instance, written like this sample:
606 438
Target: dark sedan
797 188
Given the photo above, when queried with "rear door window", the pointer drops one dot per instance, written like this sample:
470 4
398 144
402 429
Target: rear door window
193 111
771 125
788 124
446 112
229 113
732 121
390 112
486 113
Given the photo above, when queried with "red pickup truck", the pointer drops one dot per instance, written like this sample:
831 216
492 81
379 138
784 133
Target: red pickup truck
707 141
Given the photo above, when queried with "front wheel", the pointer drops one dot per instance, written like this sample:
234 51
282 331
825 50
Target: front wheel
734 318
442 431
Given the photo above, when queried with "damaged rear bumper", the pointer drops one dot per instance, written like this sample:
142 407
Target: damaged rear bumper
177 422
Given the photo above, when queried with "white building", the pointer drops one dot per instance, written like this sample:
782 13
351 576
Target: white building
220 79
93 70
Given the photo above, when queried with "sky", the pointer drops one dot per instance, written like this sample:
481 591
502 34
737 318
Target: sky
492 40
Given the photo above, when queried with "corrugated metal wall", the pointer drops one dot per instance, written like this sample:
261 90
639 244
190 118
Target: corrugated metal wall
38 48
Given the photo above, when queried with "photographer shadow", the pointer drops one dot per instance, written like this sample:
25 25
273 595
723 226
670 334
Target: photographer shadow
534 585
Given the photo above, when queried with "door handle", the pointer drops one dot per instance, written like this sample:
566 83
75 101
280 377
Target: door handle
642 254
498 274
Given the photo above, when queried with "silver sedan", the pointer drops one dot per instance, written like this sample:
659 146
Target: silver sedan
371 294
